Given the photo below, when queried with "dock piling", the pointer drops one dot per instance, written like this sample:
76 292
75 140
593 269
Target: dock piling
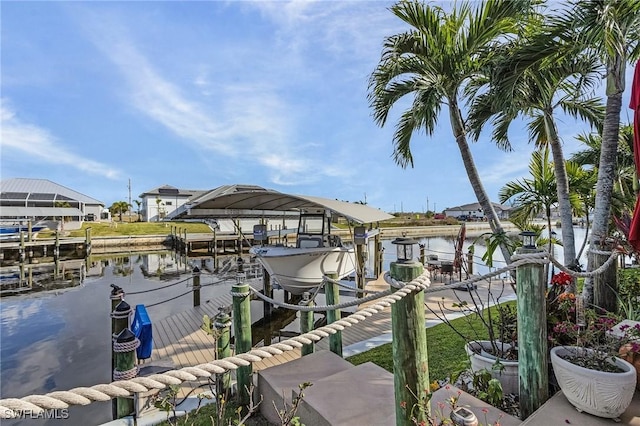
306 323
242 334
332 293
196 286
124 347
223 327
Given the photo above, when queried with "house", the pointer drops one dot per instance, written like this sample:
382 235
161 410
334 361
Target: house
41 199
473 211
159 202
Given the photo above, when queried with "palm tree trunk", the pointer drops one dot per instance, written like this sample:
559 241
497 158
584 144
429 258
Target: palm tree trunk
604 186
457 126
564 204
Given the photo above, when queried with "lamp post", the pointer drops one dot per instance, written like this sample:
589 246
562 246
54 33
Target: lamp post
532 329
405 268
410 361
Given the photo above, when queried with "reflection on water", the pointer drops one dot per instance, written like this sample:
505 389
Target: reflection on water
58 340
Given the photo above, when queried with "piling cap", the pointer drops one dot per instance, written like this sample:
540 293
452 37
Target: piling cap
116 290
125 335
123 307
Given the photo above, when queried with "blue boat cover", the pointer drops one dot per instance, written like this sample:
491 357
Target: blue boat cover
141 327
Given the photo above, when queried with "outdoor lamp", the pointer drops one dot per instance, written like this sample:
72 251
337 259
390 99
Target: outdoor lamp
528 239
404 249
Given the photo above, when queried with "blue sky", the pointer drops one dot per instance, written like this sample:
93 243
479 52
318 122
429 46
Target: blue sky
201 94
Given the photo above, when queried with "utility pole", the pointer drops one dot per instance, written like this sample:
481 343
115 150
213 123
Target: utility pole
427 205
129 186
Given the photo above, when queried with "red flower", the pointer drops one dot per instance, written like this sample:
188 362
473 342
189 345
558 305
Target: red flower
561 279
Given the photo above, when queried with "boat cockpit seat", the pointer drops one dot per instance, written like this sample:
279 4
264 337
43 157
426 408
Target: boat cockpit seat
309 242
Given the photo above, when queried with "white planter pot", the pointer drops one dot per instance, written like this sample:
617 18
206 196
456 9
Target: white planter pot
595 392
481 360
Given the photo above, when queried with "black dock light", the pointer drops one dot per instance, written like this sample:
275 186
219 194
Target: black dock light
404 249
528 239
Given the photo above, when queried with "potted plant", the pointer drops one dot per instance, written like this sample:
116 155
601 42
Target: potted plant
591 376
630 349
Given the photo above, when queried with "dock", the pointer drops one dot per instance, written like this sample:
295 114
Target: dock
180 339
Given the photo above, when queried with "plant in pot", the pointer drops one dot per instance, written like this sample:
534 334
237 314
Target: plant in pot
589 372
490 336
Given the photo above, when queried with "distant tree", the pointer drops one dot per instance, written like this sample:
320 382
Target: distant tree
159 205
138 205
119 207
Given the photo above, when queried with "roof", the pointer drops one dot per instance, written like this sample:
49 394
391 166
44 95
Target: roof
28 186
168 190
254 201
476 207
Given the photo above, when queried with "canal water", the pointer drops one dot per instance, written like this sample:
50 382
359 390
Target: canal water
59 339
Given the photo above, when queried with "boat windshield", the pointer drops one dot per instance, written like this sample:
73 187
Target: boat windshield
311 224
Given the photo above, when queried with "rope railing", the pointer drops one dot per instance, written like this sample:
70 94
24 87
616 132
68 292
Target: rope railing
12 407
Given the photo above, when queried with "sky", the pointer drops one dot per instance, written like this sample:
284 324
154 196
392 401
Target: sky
105 96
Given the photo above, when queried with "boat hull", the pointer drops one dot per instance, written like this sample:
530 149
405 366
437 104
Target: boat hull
301 269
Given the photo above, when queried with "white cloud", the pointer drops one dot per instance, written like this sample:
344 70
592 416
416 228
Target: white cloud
40 145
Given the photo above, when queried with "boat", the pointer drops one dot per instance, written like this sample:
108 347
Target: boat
12 232
316 253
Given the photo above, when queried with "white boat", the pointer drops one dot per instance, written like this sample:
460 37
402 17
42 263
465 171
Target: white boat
316 253
299 268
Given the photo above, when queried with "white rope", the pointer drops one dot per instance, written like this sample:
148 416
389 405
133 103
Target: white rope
126 346
11 407
125 375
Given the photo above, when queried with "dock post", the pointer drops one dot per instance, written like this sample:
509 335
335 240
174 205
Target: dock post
29 231
306 323
56 248
332 293
532 335
379 256
23 253
196 286
267 290
223 326
410 361
124 347
605 285
242 334
422 253
120 312
87 234
470 262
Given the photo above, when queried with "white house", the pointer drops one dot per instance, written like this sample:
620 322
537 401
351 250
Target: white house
157 203
41 199
473 211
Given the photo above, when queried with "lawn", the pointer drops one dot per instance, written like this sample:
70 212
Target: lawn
115 229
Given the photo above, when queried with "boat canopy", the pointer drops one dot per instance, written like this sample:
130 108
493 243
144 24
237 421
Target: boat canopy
241 201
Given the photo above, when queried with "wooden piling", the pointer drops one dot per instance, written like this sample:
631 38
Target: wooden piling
532 336
306 323
196 287
360 278
267 290
124 348
332 294
605 285
410 362
223 326
377 256
242 336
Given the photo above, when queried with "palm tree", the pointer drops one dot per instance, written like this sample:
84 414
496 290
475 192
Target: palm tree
611 29
582 182
436 62
119 207
537 92
138 204
535 195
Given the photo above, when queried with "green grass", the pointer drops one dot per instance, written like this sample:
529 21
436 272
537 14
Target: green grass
101 229
444 346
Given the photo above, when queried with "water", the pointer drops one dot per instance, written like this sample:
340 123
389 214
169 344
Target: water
58 340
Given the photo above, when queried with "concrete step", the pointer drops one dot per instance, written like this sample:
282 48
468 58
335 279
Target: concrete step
276 384
361 395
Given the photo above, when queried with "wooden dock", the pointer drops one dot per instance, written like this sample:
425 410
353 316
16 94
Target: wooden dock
179 338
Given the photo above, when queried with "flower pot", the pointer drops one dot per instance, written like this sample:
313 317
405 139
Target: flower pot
632 358
482 359
596 392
